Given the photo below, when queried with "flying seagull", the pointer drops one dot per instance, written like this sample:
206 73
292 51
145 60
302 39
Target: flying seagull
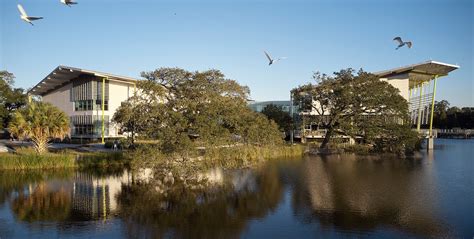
402 43
68 2
271 60
25 17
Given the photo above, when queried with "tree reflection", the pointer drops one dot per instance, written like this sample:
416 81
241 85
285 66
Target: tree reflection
42 205
351 193
14 181
221 212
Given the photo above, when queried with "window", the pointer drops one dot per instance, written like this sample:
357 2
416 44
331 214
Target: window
99 104
82 105
83 129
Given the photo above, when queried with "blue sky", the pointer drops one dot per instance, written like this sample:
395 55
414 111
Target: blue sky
126 37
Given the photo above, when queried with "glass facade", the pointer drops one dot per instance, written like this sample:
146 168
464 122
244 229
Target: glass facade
84 105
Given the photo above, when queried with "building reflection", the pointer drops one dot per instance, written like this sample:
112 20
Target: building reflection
81 197
96 198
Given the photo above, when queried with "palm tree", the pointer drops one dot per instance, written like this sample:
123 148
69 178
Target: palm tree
40 122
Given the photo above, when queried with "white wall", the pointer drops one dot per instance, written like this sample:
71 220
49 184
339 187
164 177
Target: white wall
118 92
401 83
61 99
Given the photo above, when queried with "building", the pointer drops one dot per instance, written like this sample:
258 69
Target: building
258 106
89 98
416 83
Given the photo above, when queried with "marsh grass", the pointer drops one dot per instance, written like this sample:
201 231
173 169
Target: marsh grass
248 155
27 158
102 160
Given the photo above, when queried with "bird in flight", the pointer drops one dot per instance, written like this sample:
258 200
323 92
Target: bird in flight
68 2
401 43
271 60
25 17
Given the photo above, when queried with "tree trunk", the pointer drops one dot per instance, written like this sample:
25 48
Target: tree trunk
40 145
327 137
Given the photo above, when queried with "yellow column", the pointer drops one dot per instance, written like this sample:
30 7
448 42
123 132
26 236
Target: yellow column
134 88
432 105
104 205
418 125
103 109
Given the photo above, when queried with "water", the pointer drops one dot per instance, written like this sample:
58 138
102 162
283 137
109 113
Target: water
335 196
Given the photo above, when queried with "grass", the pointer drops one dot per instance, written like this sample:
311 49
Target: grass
247 155
27 158
102 160
230 157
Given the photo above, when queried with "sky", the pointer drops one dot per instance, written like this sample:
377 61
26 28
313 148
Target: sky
126 37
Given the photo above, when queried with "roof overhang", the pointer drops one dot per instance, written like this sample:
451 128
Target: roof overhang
421 72
63 75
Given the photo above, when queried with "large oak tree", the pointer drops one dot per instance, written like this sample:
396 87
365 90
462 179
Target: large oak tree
358 104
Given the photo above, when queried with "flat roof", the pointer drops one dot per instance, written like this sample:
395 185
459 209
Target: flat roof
62 75
420 72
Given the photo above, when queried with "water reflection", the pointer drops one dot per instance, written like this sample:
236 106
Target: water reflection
336 194
206 213
355 194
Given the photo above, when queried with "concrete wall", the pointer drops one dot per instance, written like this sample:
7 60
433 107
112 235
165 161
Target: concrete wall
61 99
118 92
401 83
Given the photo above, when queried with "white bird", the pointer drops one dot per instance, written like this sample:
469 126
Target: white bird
25 17
402 43
68 2
271 60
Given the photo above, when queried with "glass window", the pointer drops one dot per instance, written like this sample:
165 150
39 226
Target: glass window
99 104
82 105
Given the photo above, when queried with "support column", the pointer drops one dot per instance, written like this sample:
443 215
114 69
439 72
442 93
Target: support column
432 106
103 109
431 138
418 125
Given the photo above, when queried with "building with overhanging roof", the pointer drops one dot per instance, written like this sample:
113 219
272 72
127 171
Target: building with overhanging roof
416 83
89 98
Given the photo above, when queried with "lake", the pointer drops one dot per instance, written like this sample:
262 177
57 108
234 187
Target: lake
428 196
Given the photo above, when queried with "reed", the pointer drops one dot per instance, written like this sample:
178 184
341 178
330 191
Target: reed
247 155
27 158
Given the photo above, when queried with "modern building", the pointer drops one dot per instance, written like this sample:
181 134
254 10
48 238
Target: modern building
89 98
258 106
416 83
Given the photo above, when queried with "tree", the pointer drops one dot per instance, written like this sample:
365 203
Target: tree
131 117
187 109
355 105
11 98
282 118
40 122
440 114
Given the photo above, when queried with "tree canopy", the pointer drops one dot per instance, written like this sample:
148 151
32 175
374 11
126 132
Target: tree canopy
446 117
186 109
282 118
356 105
40 122
11 98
